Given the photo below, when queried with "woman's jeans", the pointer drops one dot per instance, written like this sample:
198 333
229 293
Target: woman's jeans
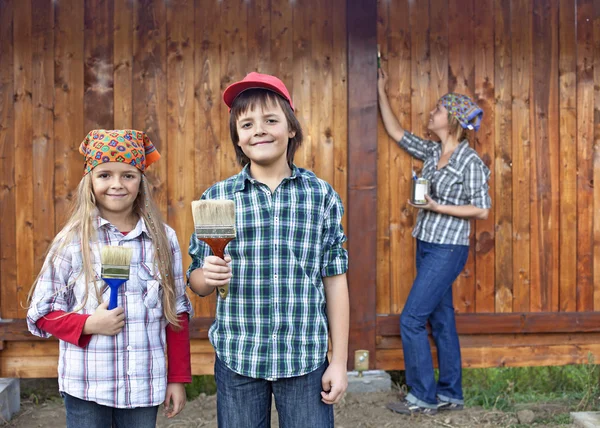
245 402
89 414
430 299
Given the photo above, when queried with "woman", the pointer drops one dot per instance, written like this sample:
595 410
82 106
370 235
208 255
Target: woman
458 193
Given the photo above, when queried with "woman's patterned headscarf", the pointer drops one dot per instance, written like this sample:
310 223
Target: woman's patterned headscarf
463 108
118 145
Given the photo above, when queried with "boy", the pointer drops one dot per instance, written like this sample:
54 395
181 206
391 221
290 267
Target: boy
286 273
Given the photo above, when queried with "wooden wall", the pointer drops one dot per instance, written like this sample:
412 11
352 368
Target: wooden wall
534 68
530 293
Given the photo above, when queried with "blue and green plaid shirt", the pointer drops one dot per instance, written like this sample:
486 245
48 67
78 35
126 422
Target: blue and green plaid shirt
273 323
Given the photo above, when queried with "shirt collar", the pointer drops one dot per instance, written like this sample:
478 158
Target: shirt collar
464 144
244 176
139 228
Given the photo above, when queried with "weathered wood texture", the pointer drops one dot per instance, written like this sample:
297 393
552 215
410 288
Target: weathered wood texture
532 66
161 66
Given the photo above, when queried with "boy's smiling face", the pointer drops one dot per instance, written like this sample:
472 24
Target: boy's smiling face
264 134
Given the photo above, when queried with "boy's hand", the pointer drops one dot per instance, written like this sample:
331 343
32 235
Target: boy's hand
105 322
175 399
334 383
217 272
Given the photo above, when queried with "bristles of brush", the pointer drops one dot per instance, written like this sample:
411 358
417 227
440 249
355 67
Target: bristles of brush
116 256
213 212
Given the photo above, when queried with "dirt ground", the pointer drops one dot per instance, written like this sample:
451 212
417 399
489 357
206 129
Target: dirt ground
44 409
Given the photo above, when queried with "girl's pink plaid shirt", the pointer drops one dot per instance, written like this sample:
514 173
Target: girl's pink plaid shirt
123 371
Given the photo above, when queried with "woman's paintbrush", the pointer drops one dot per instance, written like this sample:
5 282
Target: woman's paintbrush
214 221
115 269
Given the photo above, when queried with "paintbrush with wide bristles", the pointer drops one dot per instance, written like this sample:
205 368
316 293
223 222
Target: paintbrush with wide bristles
214 222
115 269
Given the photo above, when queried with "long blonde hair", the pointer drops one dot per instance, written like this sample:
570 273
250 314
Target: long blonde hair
80 226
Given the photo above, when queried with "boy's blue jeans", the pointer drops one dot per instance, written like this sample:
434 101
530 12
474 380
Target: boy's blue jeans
430 298
246 402
89 414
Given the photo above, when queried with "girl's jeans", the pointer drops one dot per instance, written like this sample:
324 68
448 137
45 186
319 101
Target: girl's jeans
430 299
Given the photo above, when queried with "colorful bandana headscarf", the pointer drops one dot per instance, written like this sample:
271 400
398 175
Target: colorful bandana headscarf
467 113
118 145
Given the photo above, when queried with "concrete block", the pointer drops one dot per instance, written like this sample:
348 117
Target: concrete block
10 397
586 419
371 381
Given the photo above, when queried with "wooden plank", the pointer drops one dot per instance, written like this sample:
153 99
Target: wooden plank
504 340
180 119
403 77
339 103
544 157
321 89
502 198
516 322
8 257
521 73
484 144
98 67
438 41
302 54
384 262
150 87
596 158
504 357
208 140
43 129
282 41
23 162
234 35
259 40
362 178
68 104
123 64
567 77
585 140
461 69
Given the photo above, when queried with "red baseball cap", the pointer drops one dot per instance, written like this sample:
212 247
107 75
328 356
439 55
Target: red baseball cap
256 80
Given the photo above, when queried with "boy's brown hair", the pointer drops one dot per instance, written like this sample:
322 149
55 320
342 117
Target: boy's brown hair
248 101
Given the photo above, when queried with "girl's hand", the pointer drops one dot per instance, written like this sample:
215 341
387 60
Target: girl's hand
175 399
382 79
431 205
334 383
105 322
217 272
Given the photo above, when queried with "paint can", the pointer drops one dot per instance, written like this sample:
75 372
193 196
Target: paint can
420 188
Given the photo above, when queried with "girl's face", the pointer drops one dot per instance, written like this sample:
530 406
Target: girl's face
264 134
438 119
115 186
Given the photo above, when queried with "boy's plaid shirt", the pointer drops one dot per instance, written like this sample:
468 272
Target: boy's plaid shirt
463 181
273 323
127 370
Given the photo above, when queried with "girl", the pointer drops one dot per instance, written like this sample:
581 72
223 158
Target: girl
112 367
459 192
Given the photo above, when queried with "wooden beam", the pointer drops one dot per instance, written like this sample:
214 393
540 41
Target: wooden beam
362 176
516 322
16 330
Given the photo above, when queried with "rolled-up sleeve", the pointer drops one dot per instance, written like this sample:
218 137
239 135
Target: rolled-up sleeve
476 184
417 147
335 256
52 290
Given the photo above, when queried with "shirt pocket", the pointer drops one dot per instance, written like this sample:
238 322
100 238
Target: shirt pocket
151 289
86 295
449 183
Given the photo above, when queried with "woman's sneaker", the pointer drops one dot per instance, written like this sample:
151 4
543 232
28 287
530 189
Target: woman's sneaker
447 405
407 408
